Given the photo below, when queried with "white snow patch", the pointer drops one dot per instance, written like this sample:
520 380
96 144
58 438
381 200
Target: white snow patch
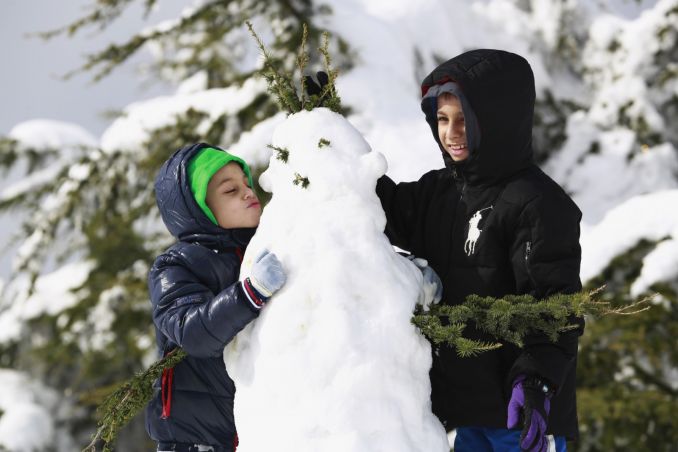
133 129
53 294
661 264
651 217
27 422
51 134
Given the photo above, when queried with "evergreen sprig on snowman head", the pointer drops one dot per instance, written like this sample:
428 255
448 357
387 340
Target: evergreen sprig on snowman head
306 96
294 98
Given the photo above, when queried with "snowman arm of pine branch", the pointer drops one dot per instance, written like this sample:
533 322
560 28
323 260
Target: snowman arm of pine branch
545 257
188 313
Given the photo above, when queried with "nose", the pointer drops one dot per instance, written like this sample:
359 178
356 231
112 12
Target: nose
249 193
451 132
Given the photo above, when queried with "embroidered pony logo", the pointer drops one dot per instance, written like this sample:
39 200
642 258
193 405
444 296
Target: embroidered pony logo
474 231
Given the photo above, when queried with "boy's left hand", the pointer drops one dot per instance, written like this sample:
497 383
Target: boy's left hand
531 396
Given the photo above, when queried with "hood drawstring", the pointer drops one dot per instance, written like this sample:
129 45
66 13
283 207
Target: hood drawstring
166 389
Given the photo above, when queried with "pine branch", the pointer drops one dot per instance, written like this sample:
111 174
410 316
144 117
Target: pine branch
282 86
279 83
12 150
128 400
329 96
103 14
302 62
513 317
655 380
282 154
115 54
300 180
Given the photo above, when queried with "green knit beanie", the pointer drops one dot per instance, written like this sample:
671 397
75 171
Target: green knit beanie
203 166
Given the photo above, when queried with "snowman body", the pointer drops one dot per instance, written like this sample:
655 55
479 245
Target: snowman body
333 362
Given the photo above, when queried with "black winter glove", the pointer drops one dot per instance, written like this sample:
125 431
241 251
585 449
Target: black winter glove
314 88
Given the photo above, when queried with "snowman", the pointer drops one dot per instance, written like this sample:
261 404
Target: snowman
333 362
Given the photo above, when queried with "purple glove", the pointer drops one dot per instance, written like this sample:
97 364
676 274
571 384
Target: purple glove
532 396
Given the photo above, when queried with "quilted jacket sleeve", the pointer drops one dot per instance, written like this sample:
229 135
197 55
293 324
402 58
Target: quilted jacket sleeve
189 313
546 258
403 204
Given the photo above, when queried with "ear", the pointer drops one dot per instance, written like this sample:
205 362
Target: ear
373 165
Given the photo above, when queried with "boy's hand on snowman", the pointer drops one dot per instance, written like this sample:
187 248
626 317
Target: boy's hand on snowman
432 288
267 275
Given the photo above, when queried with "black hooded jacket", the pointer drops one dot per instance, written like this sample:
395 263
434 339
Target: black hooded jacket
492 225
198 305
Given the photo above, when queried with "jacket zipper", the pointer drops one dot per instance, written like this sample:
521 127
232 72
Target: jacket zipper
457 177
449 253
528 252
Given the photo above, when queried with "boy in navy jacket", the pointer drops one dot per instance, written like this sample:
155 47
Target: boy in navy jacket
206 199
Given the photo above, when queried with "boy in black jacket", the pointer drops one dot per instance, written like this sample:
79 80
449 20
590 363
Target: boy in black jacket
492 223
207 202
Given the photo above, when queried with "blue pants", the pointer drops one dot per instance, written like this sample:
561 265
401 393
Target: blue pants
479 439
184 447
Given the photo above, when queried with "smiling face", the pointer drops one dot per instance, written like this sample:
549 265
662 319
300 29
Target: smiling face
451 127
231 200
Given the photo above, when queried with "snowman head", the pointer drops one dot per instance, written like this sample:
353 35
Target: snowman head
319 154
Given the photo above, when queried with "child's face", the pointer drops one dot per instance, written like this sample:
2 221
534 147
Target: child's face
451 127
233 203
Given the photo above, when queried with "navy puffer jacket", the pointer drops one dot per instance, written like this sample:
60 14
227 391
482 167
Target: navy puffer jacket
198 305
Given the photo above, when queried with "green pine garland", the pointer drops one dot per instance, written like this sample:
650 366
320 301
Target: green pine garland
512 317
